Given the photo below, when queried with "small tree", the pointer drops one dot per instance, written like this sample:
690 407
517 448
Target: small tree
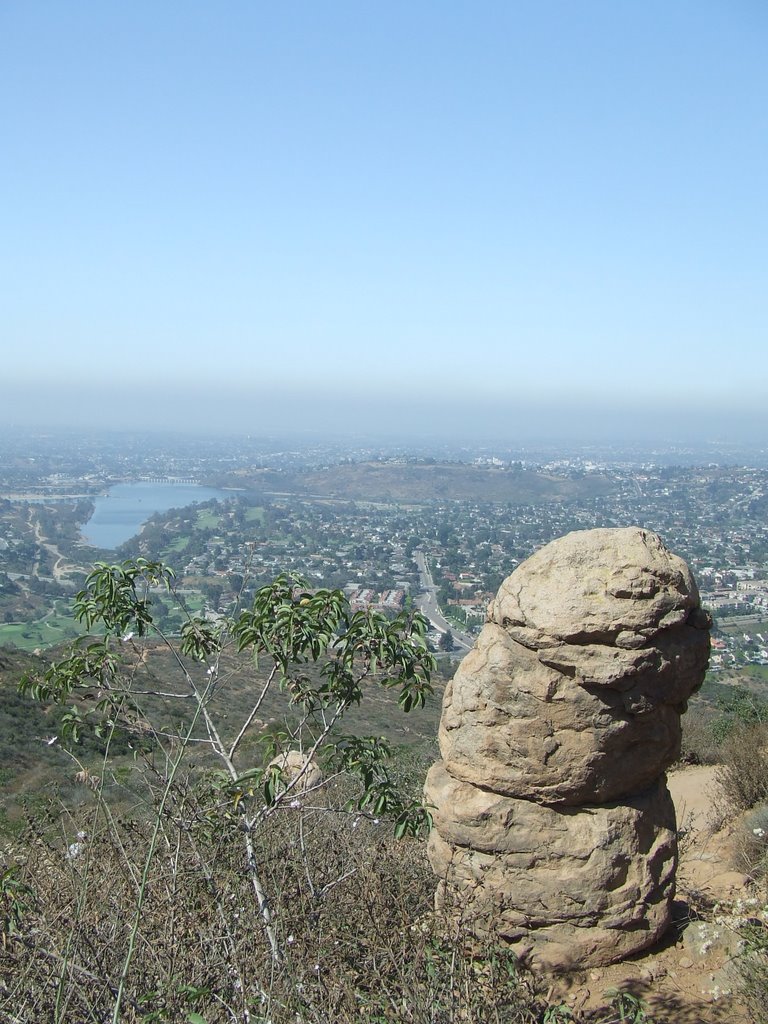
287 629
446 642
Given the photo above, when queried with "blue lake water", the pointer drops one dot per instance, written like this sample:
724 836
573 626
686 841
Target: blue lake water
120 514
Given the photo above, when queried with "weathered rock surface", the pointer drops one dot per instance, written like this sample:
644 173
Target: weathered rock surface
294 765
593 883
597 586
552 818
514 723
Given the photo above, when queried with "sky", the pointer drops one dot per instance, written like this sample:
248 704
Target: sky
482 218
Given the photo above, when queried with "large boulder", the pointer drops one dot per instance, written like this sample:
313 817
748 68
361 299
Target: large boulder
297 770
552 819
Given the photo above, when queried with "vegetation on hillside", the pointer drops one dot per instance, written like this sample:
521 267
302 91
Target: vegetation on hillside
193 872
422 480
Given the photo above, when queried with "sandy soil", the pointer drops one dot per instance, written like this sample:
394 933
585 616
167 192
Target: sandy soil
693 792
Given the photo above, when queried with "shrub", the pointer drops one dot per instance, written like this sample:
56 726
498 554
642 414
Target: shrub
743 777
739 707
699 741
321 657
360 942
752 842
751 965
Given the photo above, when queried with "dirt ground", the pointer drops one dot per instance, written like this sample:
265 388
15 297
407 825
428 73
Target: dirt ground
689 977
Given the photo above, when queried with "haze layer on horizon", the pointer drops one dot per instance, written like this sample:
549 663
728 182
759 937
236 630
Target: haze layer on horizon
558 417
515 219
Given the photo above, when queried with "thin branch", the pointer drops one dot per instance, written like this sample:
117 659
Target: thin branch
221 751
331 885
163 693
68 965
280 798
252 715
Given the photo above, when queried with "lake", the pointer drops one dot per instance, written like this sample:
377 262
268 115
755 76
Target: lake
120 514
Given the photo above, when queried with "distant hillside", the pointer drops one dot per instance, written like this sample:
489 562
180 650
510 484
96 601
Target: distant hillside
27 763
23 723
415 482
34 769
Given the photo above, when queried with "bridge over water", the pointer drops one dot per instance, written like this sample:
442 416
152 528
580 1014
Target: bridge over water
168 480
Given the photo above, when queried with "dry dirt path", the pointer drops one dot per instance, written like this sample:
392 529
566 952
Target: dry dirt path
694 794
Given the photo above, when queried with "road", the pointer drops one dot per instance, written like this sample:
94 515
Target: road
62 568
428 606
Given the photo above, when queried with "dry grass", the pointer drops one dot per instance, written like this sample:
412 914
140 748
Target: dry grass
699 742
352 911
743 776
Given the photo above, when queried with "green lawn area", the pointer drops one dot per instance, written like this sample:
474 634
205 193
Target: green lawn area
53 628
194 602
27 636
756 672
255 515
207 520
743 624
178 544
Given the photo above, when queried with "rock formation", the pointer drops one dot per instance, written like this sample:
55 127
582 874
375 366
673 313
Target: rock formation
553 827
293 765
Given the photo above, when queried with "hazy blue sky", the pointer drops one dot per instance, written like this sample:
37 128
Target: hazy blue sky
464 216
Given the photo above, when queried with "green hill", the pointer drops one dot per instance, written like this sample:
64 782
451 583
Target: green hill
417 482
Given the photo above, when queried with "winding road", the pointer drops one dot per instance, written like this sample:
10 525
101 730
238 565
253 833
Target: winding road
62 568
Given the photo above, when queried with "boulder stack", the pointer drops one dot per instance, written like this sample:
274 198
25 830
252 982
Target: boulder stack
553 826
